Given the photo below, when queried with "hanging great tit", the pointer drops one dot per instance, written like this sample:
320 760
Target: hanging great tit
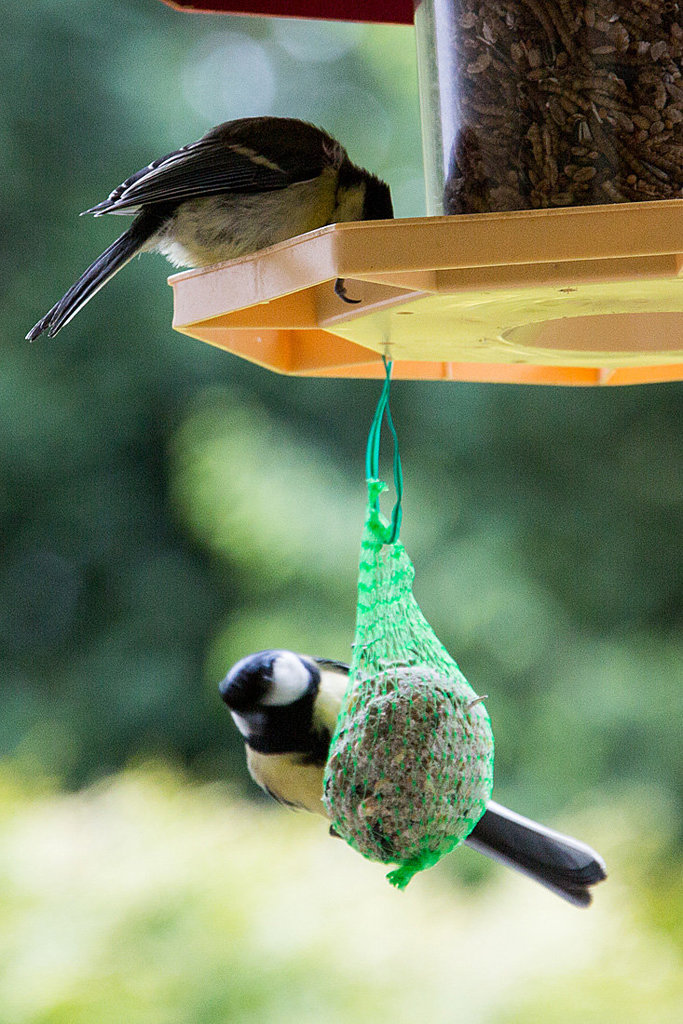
285 705
245 185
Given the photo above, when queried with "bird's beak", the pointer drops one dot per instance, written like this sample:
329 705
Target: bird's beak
235 693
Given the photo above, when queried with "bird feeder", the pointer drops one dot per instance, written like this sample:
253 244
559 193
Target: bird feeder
553 253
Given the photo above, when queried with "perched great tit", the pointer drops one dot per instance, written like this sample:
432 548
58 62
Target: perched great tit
285 705
245 185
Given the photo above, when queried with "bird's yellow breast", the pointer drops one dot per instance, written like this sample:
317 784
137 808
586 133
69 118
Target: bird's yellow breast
285 778
211 229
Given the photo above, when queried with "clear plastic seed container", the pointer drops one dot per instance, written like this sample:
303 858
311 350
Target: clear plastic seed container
547 103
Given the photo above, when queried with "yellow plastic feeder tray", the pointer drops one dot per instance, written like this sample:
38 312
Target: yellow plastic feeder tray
578 295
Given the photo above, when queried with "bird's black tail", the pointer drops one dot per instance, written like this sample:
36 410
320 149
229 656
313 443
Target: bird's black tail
97 275
561 863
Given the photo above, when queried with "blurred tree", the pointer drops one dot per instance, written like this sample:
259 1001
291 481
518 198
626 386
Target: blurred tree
165 508
149 900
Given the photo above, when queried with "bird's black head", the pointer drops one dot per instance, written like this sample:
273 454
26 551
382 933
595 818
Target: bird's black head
361 195
268 679
377 204
271 696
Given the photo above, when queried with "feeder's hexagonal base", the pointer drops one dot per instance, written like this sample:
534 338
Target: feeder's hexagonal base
582 295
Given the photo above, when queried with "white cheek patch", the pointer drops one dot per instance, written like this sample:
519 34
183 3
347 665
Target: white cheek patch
349 203
291 679
241 723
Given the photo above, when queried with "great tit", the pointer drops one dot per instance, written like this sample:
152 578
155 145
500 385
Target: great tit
285 705
245 185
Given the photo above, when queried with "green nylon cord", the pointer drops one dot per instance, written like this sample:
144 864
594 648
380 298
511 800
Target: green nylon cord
372 455
410 768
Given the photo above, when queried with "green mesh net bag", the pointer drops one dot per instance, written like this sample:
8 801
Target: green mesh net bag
410 769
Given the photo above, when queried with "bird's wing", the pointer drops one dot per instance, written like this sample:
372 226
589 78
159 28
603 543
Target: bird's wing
237 157
332 666
565 865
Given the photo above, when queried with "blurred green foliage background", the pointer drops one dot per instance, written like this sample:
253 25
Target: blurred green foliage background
166 509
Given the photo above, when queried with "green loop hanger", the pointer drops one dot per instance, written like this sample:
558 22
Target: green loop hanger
372 455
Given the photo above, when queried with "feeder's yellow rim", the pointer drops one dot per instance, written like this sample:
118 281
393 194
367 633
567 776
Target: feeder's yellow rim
579 295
